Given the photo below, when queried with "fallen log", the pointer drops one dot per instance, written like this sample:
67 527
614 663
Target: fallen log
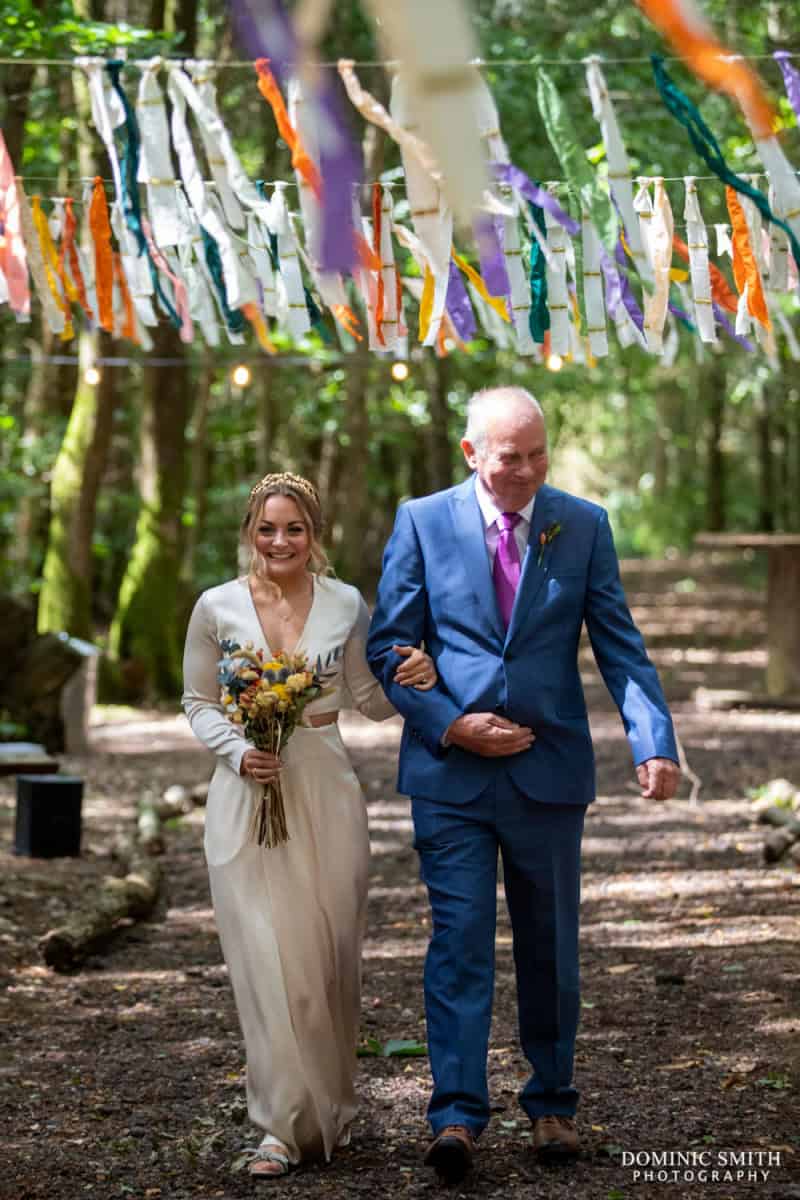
132 897
149 826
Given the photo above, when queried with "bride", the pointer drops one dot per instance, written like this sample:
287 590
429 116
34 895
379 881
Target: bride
290 918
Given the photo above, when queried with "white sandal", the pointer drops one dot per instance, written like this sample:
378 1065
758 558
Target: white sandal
270 1150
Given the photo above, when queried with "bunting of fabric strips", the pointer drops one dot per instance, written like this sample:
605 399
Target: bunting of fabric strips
706 145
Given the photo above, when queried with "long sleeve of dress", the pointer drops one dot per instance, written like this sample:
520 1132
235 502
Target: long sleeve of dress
368 695
200 698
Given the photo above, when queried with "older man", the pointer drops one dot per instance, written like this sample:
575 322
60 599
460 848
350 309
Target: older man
498 576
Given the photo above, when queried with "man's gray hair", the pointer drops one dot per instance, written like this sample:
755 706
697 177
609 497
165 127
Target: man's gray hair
483 405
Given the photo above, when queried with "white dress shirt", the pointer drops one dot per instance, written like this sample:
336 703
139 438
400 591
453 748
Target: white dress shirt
490 512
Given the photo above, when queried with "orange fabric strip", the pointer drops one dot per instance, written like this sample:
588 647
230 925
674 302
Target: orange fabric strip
366 255
129 324
745 267
300 158
256 319
348 320
69 253
50 264
685 30
377 223
720 288
103 261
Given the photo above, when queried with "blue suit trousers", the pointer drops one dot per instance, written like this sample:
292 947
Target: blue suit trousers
458 846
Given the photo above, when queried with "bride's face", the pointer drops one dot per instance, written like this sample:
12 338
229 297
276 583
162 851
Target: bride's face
282 540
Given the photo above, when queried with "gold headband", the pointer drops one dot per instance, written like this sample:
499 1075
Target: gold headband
286 479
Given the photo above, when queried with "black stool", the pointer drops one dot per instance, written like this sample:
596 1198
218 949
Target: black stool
48 816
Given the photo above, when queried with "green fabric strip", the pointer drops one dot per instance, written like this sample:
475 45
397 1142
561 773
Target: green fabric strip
539 316
593 198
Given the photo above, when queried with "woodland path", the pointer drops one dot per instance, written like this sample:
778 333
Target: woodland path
125 1079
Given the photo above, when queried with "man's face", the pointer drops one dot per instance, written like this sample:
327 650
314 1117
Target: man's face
512 461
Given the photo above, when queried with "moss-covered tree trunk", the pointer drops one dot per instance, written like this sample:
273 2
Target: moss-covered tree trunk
65 596
147 630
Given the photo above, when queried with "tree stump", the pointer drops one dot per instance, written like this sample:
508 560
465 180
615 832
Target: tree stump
783 621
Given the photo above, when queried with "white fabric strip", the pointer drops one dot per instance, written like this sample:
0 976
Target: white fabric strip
202 76
778 252
660 253
783 180
557 293
593 290
436 46
240 285
432 219
619 171
697 242
290 297
156 171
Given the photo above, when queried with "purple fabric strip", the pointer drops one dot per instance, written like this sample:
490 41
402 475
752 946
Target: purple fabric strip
516 178
791 79
628 298
730 330
489 234
458 306
266 31
611 282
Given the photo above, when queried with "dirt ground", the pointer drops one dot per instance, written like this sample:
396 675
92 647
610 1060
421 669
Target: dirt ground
126 1078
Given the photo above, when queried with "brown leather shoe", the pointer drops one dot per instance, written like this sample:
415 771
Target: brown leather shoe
555 1139
451 1152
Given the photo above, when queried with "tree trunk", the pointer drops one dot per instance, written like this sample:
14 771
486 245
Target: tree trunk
65 597
440 458
354 507
199 473
766 474
146 633
713 383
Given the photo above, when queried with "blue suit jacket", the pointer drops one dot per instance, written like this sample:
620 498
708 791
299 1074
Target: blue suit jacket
436 586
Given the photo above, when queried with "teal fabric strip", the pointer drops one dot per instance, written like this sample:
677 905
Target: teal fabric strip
681 108
234 317
315 316
539 316
131 205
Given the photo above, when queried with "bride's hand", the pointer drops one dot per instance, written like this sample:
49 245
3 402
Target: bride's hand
258 765
418 670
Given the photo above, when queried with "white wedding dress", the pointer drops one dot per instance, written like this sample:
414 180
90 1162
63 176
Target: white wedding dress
291 918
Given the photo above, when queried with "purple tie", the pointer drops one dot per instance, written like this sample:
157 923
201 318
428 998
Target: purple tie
506 565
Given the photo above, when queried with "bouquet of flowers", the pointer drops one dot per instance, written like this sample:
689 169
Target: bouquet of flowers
266 697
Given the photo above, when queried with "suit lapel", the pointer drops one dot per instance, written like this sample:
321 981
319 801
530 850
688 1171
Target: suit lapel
471 538
545 513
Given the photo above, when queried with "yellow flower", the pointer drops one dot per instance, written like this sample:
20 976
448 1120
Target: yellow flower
298 682
281 691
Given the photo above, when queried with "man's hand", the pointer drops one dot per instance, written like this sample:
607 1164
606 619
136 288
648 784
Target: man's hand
658 778
489 735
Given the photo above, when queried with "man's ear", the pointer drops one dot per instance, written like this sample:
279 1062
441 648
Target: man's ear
469 454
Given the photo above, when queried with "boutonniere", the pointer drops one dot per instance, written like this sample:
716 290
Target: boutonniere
546 537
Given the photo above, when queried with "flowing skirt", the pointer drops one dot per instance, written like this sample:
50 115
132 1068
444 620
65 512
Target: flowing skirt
291 920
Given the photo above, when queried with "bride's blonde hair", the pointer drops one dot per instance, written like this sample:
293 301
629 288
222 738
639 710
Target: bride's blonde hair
306 497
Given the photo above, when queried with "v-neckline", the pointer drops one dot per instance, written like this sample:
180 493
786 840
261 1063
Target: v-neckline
264 638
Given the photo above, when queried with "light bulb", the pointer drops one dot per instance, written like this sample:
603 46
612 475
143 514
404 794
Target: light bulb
91 376
399 371
554 362
241 375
